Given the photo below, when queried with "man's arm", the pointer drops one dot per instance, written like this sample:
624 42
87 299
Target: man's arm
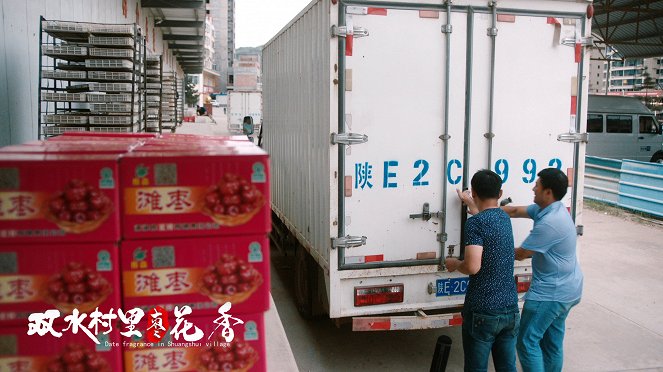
470 265
516 212
466 198
522 253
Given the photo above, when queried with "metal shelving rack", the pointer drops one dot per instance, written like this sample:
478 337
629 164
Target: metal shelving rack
179 111
169 102
91 77
153 89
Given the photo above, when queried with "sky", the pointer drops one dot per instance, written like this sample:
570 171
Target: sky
257 21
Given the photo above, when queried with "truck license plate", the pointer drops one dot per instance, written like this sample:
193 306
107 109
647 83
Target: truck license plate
451 286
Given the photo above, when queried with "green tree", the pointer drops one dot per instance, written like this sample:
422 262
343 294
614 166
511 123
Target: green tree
190 92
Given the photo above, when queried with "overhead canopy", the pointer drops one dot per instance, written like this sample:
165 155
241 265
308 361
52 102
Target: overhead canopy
633 27
183 25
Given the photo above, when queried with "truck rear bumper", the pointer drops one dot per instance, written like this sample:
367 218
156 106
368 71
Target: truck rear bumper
399 322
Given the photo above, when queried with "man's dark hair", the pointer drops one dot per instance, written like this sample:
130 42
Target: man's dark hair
555 180
487 184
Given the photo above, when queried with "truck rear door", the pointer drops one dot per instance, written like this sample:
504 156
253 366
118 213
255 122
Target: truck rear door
395 192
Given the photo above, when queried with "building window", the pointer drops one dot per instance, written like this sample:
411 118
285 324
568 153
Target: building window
619 124
594 123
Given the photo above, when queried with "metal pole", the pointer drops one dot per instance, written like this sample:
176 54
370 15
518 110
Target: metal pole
341 129
445 134
492 32
468 119
576 145
41 31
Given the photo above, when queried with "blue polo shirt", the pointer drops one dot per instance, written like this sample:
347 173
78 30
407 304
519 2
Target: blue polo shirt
556 271
493 287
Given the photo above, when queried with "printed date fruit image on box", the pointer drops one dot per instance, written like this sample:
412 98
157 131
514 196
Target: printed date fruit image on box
59 198
204 273
244 353
36 278
70 352
224 192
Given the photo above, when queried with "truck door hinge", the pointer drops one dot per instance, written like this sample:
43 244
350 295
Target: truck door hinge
344 31
580 229
348 242
348 138
447 29
584 41
572 137
426 214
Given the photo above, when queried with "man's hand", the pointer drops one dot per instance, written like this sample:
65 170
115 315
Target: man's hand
466 198
451 264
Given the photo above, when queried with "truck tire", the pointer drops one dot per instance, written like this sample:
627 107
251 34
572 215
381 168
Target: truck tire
657 157
305 282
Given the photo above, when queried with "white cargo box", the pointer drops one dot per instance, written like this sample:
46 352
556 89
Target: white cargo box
368 145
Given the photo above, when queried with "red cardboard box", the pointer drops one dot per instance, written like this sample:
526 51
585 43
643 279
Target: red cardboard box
204 273
102 135
195 137
221 192
21 352
72 147
59 198
36 278
246 351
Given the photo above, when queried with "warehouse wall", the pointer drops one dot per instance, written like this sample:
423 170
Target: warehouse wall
19 52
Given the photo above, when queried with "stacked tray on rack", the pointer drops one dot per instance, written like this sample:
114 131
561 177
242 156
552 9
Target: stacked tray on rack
92 80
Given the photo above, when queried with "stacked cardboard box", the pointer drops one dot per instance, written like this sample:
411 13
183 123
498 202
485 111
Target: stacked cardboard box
59 232
191 216
195 222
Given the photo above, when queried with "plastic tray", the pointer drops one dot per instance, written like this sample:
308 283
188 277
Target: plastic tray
111 41
64 50
109 63
111 29
110 75
63 97
61 26
113 107
113 120
54 131
63 75
111 87
112 53
127 129
65 119
120 97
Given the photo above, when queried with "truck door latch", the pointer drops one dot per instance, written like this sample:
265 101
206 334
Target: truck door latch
348 241
348 138
426 214
344 31
572 137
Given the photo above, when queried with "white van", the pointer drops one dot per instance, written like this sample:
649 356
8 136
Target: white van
623 128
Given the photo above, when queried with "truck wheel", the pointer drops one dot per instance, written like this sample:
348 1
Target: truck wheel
657 157
304 282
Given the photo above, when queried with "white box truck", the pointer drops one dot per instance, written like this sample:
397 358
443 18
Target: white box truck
376 112
242 104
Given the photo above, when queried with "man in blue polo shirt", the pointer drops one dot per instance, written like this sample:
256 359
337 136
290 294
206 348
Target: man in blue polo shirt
490 312
557 279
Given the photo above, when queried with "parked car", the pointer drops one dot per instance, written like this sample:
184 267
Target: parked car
623 128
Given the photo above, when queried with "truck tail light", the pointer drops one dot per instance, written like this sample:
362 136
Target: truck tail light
522 282
378 295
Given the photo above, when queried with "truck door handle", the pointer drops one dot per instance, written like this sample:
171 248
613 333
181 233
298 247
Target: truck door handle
641 137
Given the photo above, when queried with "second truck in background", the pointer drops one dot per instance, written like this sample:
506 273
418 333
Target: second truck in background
242 104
